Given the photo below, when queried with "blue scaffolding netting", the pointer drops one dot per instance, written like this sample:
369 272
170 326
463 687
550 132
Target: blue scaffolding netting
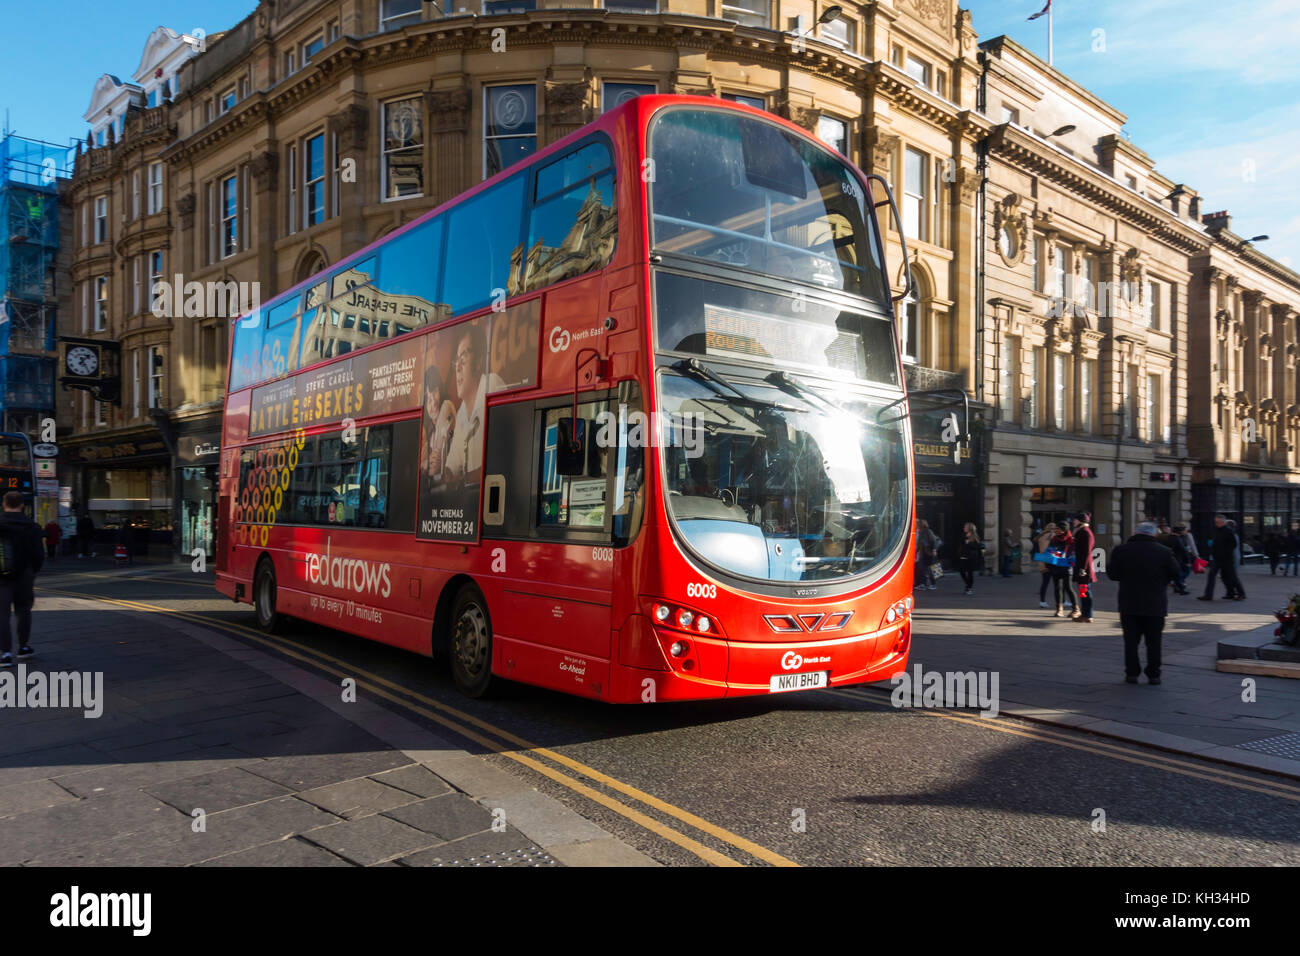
30 171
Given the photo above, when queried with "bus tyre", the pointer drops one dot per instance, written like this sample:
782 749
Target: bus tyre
470 647
268 619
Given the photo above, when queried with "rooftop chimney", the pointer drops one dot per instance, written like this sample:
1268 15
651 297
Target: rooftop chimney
1216 220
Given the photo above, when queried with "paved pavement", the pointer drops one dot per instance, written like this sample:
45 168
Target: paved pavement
211 752
1065 672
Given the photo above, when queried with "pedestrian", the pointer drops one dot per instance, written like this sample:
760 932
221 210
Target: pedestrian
1272 551
970 556
927 552
1189 544
53 533
1085 574
1223 561
1041 545
1289 555
85 536
1292 542
20 561
1144 569
1010 551
1174 542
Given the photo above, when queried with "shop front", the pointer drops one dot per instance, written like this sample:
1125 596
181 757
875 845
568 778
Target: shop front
124 485
1259 509
946 492
197 455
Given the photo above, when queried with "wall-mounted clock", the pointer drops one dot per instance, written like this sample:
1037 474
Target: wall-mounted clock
81 360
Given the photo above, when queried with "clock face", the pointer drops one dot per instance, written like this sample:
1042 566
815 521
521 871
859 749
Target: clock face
82 360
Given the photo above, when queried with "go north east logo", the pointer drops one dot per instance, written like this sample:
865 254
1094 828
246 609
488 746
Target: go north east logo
350 574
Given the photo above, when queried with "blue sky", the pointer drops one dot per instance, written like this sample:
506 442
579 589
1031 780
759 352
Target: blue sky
1212 91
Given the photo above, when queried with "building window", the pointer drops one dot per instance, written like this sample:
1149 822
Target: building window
1036 386
135 194
155 377
749 13
155 276
336 180
1131 182
1087 374
915 175
403 174
207 111
1010 115
755 101
1059 390
99 413
834 133
152 99
632 6
135 285
243 88
1153 304
1060 269
85 307
312 47
918 70
1040 264
155 188
1131 402
332 31
896 55
510 126
313 180
910 333
101 303
228 238
508 6
1089 291
1154 430
293 188
395 14
85 230
101 219
842 33
135 383
290 63
226 102
616 94
1009 352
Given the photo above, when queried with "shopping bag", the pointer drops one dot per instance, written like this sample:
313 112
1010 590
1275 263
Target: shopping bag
1199 565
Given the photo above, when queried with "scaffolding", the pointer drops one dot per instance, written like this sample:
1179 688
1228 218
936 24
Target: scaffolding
30 171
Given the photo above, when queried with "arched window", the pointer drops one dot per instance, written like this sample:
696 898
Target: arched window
310 265
912 316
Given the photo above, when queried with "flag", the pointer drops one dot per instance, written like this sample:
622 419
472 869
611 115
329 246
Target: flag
1042 11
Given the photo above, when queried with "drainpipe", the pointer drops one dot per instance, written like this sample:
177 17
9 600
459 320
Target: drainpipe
981 170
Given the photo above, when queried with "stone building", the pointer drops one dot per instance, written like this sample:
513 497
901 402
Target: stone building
118 452
1083 349
1244 416
311 128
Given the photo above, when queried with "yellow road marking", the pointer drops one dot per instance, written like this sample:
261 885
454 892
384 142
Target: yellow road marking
1173 765
372 681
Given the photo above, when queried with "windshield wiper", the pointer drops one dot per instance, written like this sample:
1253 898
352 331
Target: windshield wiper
716 383
787 383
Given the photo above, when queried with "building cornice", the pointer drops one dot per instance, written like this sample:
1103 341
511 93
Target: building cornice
1028 154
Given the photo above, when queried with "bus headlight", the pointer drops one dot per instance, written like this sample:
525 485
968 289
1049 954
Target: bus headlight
702 624
684 618
662 611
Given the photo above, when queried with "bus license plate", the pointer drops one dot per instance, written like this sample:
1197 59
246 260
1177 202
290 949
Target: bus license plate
805 681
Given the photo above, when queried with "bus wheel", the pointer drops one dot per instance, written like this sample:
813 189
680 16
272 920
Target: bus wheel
471 643
264 597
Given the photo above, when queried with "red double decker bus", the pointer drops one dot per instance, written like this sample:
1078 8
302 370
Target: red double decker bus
627 420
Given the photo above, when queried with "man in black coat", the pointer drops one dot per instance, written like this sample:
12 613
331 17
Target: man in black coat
1144 569
1223 560
22 542
1175 544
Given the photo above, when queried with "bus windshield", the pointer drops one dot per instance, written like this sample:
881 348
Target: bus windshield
781 484
734 189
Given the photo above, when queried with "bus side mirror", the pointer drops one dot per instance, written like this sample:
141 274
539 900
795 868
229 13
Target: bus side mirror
570 450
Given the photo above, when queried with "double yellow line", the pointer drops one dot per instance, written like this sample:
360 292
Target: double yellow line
496 740
1100 746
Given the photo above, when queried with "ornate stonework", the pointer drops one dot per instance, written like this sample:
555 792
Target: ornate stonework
448 110
265 169
568 103
351 123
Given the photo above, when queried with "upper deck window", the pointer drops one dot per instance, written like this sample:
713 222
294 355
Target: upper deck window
739 191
